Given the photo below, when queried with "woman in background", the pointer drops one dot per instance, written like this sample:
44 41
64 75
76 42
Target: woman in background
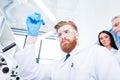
106 39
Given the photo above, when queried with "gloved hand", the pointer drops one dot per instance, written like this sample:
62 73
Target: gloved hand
34 22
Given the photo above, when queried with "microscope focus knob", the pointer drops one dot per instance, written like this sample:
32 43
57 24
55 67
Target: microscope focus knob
2 59
5 70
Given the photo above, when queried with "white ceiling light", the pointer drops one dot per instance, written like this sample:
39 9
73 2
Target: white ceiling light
45 10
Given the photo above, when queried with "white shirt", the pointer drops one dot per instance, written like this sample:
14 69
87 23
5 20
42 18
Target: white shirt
116 54
93 63
113 51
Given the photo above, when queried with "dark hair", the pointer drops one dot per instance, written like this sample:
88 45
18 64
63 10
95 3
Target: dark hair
62 23
111 39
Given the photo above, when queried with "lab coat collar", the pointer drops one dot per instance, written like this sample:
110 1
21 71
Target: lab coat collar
113 51
74 52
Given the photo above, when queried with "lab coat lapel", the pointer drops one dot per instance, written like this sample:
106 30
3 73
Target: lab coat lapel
69 60
66 62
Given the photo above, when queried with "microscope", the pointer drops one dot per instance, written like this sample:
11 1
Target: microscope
8 66
9 69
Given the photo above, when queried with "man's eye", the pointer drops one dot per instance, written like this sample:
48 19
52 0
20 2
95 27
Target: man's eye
116 24
67 32
59 34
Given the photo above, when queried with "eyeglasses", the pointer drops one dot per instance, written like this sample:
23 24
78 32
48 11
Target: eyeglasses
66 33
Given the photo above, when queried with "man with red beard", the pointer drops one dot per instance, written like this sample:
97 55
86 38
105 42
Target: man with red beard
68 35
93 63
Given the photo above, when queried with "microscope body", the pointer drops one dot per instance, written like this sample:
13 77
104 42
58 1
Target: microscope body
9 69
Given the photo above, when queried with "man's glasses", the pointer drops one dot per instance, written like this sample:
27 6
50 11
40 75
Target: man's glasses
66 33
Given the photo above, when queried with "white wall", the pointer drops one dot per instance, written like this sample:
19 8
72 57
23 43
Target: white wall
92 16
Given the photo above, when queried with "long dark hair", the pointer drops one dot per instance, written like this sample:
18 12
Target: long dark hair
113 44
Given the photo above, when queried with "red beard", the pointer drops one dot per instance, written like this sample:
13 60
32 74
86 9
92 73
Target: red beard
67 45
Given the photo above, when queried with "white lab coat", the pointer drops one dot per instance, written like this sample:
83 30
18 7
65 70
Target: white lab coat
90 64
116 54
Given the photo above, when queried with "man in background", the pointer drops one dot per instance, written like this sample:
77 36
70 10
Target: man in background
116 30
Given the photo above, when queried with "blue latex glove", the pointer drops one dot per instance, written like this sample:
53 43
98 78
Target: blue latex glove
34 22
